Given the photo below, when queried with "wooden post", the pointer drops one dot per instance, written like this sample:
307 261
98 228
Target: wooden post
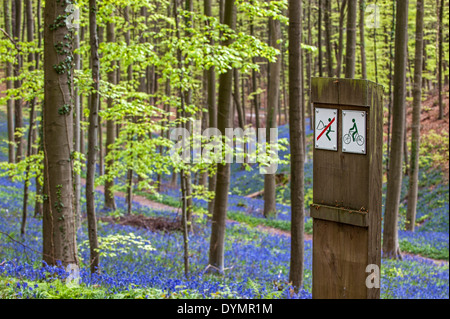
347 182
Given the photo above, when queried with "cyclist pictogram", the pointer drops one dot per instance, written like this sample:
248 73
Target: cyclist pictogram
354 131
353 136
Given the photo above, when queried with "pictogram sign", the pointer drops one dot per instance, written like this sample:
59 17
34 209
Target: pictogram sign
354 131
325 129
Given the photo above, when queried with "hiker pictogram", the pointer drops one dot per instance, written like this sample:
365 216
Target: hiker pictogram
326 129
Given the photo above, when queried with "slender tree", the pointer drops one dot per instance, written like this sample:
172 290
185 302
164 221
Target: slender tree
362 45
273 93
92 139
217 243
59 232
31 56
340 47
391 247
328 30
9 86
77 135
415 127
351 39
440 64
110 202
212 108
18 112
319 37
296 143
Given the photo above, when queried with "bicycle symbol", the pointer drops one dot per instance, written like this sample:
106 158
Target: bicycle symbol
359 139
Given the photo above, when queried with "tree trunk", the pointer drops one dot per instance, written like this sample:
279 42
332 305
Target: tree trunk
391 247
415 127
271 120
18 114
77 136
217 243
441 17
362 8
92 139
296 143
9 86
351 40
254 80
59 232
327 17
110 203
319 37
341 39
237 102
30 26
212 108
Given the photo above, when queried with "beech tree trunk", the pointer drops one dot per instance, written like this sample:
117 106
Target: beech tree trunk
391 247
18 114
271 120
217 243
110 203
92 139
415 127
9 86
296 119
59 231
351 39
212 108
362 7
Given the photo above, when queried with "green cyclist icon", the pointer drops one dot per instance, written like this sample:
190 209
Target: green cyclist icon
353 135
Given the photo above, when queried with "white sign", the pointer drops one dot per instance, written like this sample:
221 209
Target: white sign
354 131
325 129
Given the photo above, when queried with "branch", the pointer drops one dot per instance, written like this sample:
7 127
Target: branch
12 40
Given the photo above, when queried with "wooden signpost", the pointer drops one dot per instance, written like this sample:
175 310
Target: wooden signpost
347 182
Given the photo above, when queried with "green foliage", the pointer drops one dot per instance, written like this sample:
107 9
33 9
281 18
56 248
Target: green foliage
117 244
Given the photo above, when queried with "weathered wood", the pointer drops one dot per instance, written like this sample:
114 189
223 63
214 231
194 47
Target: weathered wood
340 215
347 194
347 92
339 265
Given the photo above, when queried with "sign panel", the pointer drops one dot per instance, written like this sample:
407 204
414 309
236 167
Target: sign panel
325 129
354 131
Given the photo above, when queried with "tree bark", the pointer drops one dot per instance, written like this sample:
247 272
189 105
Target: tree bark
341 39
217 243
415 127
77 136
296 143
59 232
9 85
362 7
391 247
30 36
351 39
273 93
212 108
319 37
327 18
92 139
440 48
18 113
110 202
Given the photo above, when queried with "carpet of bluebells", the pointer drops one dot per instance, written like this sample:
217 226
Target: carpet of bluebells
257 263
